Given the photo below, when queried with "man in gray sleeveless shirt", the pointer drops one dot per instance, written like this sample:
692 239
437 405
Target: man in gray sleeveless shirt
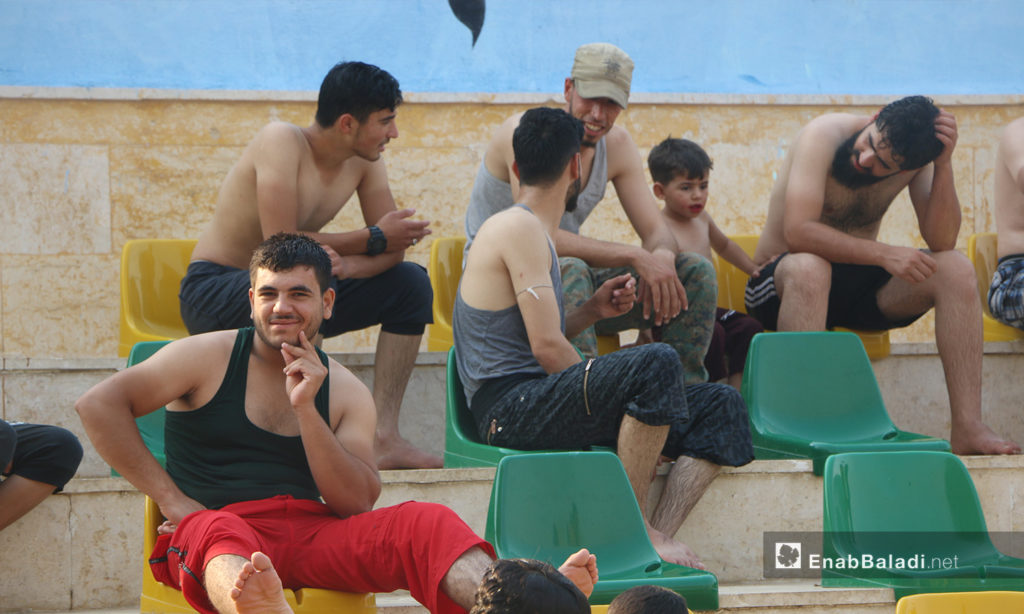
526 385
676 291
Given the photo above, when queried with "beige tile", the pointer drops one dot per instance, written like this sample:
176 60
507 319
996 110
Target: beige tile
58 306
56 199
35 556
106 549
49 398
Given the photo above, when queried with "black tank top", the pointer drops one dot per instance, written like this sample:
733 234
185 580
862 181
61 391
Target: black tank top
217 456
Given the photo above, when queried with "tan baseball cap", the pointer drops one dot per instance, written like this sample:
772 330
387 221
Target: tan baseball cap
602 70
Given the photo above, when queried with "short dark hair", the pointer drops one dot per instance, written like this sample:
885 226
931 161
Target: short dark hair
648 599
357 89
285 251
907 126
673 157
527 586
543 143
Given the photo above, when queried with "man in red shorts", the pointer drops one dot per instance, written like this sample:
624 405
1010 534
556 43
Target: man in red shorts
260 425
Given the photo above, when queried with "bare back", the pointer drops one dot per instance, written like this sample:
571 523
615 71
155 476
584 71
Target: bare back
853 211
279 174
1009 189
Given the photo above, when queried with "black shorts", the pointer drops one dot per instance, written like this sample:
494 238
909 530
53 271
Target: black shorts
40 452
852 299
216 297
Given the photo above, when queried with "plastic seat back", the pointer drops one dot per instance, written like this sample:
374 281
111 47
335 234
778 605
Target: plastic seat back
151 273
982 251
983 602
814 394
547 506
445 270
913 506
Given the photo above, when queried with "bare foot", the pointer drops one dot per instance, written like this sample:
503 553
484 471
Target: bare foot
258 588
581 569
397 453
980 439
674 551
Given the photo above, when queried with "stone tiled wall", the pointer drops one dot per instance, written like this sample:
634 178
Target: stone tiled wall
82 171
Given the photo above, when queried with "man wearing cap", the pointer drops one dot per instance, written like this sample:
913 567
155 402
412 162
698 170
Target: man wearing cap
677 291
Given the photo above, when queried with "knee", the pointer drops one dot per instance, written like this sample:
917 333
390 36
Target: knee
955 270
573 268
663 362
414 280
63 452
804 273
694 268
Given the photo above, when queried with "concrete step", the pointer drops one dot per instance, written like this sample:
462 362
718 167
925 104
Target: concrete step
82 549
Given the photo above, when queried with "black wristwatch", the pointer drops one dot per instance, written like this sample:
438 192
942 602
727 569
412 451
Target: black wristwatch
377 242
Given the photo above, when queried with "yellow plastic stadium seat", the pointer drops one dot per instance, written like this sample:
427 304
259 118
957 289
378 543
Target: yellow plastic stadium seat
159 598
445 270
983 602
732 282
981 249
151 271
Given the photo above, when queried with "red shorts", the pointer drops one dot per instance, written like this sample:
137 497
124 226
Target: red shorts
407 546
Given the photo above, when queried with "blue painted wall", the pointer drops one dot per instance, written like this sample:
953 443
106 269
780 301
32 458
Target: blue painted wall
698 46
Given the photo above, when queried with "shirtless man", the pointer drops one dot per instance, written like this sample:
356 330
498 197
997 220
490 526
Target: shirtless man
1006 294
596 93
836 183
526 385
293 179
261 425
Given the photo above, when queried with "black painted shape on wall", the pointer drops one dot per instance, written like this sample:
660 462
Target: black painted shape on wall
471 14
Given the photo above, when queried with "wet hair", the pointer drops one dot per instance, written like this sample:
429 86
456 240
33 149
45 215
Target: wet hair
527 586
284 251
544 143
648 599
907 126
357 89
674 157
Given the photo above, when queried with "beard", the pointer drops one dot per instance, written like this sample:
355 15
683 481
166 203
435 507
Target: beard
843 170
573 195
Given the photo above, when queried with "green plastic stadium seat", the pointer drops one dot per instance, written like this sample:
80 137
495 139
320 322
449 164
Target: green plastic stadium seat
547 506
462 446
911 505
814 394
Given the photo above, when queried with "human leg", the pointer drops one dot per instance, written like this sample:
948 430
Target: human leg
393 364
715 431
739 332
420 547
802 282
398 299
258 587
714 360
1006 291
43 459
214 297
577 287
689 333
952 290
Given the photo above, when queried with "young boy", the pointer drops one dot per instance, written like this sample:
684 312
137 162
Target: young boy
680 170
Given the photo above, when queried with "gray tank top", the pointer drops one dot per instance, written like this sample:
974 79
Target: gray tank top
493 344
491 195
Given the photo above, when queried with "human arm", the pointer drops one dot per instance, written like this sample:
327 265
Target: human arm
108 411
804 197
730 250
1011 152
615 297
933 193
581 569
340 458
277 153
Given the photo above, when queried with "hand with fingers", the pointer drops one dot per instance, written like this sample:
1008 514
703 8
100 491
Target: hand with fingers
401 231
